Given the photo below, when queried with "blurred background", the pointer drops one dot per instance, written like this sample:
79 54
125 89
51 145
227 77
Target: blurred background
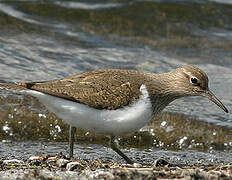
50 39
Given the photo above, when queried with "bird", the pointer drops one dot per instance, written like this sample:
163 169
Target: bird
115 102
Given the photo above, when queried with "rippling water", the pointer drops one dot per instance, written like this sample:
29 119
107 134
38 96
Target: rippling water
43 40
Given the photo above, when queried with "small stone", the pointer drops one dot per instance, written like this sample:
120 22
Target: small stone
134 165
100 174
52 158
73 165
35 163
51 161
62 162
36 158
12 161
137 165
160 163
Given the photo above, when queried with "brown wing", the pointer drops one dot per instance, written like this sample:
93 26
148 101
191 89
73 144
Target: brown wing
104 89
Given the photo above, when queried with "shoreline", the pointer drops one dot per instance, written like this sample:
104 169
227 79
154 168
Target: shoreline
53 167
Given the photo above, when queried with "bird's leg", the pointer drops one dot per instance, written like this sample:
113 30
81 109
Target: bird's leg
72 131
114 147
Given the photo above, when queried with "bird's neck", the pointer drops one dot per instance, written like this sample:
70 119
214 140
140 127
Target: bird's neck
160 89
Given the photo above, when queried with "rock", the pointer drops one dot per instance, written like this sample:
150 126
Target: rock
32 158
134 165
51 161
62 162
74 165
160 163
35 160
137 165
100 174
13 162
52 158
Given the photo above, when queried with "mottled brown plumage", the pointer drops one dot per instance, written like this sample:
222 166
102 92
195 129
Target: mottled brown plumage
103 89
115 89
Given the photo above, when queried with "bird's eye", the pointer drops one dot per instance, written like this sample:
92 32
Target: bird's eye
194 81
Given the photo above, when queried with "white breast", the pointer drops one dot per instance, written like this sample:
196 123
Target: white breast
109 122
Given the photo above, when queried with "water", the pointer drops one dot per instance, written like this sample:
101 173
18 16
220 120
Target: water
44 40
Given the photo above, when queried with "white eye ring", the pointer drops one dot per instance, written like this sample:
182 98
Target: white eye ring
194 81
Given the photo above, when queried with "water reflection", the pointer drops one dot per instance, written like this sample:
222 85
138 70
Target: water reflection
53 39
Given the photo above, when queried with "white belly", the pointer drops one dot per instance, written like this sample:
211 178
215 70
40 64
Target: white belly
109 122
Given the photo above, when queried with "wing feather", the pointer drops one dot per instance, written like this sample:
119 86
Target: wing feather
101 89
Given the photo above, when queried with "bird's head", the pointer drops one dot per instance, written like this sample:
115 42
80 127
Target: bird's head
192 81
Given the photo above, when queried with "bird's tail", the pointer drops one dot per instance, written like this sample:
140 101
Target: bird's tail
13 86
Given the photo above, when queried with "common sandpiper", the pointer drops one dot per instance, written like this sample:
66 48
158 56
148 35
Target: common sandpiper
115 102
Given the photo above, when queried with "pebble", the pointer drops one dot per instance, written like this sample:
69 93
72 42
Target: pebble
134 165
160 163
12 161
32 158
137 165
73 165
35 160
62 162
95 170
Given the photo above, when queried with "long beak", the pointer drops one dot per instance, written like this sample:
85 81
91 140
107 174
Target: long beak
213 98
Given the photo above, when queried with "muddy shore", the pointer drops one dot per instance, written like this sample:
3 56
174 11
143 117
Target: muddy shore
54 167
